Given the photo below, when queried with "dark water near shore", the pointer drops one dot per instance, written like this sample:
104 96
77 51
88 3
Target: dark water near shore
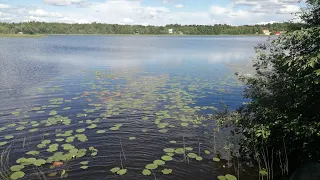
133 99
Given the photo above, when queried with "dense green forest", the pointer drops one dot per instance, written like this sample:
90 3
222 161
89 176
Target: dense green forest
97 28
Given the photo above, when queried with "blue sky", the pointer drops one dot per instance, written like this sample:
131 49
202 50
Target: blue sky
150 12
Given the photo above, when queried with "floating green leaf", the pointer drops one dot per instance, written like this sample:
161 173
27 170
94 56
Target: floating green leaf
166 158
168 150
84 162
122 172
39 162
33 153
158 162
101 131
207 152
84 167
167 171
3 143
16 168
17 175
132 138
184 124
199 158
192 155
151 166
115 169
216 159
222 178
173 142
230 177
8 137
80 130
146 172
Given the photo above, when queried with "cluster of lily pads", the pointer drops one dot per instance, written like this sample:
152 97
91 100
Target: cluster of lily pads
167 103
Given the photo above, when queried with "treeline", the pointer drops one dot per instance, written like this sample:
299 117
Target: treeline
98 28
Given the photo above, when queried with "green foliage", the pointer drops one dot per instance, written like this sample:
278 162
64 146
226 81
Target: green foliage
283 115
97 28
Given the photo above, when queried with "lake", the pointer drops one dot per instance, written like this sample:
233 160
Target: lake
119 107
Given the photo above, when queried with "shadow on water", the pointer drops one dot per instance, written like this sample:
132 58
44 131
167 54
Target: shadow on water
106 102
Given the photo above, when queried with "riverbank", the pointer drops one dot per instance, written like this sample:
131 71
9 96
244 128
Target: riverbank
22 35
171 35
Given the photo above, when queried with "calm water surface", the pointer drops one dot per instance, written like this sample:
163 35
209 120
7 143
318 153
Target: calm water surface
132 99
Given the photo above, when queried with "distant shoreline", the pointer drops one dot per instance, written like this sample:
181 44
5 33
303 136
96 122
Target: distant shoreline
174 35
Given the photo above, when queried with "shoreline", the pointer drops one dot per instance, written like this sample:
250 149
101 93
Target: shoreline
172 35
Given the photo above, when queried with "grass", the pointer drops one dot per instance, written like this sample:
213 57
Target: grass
22 35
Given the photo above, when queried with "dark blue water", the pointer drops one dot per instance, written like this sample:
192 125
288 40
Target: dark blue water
157 88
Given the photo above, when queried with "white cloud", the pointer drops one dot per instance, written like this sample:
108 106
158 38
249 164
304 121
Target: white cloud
4 6
218 10
179 6
238 12
43 13
63 2
289 9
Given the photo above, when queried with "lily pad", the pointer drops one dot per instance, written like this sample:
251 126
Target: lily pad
222 178
167 171
3 143
39 162
84 167
168 150
101 131
17 175
199 158
159 162
16 168
192 155
115 169
122 172
230 177
33 153
146 172
132 138
216 159
166 158
184 124
151 166
207 152
179 151
8 137
173 142
80 130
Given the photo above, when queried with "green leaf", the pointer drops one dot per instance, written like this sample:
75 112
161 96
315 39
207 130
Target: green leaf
132 138
39 162
17 168
199 158
168 150
207 152
151 166
222 178
8 137
146 172
84 162
166 158
216 159
84 167
33 153
158 162
17 175
167 171
122 172
230 177
192 155
3 143
115 169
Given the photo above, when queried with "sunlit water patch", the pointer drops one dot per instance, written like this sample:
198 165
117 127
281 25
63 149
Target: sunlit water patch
118 107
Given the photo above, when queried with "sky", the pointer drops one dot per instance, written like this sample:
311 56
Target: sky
150 12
